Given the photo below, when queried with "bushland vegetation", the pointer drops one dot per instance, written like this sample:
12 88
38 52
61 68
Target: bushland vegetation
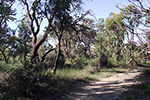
70 49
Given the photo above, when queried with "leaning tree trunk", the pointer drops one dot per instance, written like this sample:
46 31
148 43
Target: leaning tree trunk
131 49
124 57
25 52
36 46
123 53
57 57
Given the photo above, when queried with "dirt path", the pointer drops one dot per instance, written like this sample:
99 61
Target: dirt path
106 88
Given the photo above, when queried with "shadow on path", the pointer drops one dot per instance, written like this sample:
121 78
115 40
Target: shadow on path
106 88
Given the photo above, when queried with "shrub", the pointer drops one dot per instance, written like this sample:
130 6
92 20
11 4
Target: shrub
80 62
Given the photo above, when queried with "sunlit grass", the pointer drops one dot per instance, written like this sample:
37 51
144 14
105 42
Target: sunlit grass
88 73
72 73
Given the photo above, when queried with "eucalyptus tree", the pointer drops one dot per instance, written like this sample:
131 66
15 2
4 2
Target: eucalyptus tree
101 43
24 39
116 29
87 37
68 44
6 14
137 15
58 15
131 23
79 42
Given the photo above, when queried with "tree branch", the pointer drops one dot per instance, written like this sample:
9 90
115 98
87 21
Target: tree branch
43 57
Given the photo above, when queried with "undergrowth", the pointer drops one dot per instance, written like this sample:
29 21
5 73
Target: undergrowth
34 82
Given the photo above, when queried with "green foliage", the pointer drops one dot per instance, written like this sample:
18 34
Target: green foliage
112 61
7 36
26 83
112 30
81 45
122 63
72 73
6 14
81 60
24 38
6 67
22 84
6 10
94 62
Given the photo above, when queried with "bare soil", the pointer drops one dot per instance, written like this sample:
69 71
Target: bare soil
108 88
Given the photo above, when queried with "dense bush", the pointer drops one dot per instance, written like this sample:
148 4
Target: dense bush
29 82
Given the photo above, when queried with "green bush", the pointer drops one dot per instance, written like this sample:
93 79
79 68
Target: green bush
25 83
80 62
122 63
94 62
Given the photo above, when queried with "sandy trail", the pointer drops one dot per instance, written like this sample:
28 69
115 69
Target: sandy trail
106 88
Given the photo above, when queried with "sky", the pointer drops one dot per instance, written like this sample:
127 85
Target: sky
102 8
99 8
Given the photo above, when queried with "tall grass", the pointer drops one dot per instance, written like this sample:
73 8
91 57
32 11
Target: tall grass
89 73
72 73
32 82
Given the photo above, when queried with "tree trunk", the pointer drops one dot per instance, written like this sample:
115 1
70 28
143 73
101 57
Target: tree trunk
124 57
123 53
35 46
57 57
89 52
5 58
131 48
131 54
25 52
25 56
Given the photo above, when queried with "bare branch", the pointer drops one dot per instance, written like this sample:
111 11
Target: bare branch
82 17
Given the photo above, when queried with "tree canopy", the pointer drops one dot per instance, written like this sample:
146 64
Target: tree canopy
71 38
